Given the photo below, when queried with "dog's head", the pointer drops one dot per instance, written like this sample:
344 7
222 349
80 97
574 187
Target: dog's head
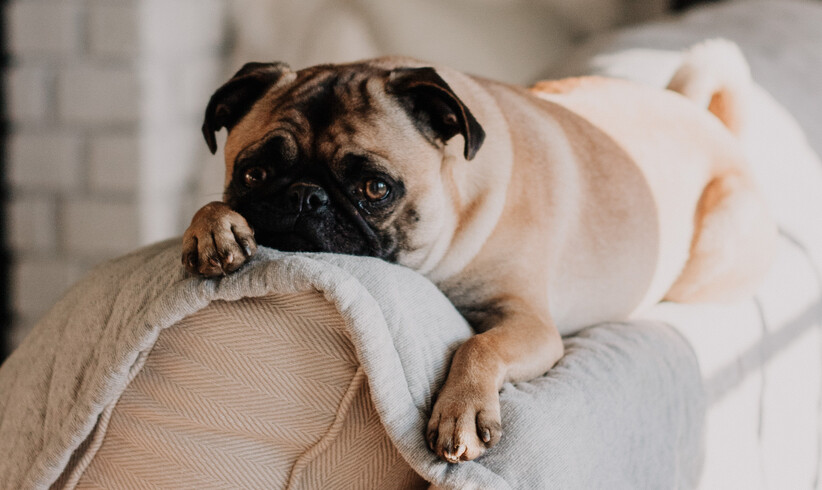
340 158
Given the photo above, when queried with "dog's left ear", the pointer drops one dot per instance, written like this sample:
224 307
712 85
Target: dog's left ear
234 99
433 104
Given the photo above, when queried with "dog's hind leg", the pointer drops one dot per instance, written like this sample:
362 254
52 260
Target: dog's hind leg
733 244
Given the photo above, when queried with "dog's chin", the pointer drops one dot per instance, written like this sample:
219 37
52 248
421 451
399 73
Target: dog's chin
290 242
308 236
305 233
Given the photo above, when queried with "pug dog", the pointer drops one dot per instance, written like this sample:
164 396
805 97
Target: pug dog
536 211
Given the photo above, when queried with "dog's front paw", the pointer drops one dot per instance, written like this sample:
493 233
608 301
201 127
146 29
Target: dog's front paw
464 423
217 241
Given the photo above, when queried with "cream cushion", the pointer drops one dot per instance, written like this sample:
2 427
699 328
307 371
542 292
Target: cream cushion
255 393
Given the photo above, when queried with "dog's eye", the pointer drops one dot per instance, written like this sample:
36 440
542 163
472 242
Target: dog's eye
255 176
376 189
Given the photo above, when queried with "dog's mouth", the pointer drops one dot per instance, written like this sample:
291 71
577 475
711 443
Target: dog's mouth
296 234
302 232
291 242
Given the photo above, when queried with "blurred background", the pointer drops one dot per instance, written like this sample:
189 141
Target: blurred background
102 103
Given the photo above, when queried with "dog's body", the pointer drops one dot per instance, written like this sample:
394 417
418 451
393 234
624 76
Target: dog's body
589 199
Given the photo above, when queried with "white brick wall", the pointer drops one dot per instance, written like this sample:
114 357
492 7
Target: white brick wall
98 95
97 227
105 100
39 282
178 84
114 163
28 96
47 160
191 26
44 27
113 29
30 221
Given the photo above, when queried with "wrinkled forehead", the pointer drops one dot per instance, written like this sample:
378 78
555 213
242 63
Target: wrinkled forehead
325 112
306 106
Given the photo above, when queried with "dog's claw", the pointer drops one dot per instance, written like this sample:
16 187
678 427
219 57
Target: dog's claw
247 250
190 261
453 455
464 423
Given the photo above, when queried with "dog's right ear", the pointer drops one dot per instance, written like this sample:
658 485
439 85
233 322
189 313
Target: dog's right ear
234 99
433 104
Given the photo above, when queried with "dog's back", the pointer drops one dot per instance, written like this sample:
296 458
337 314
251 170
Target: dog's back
680 139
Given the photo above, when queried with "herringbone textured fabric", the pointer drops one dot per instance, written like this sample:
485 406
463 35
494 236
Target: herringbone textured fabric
256 393
361 456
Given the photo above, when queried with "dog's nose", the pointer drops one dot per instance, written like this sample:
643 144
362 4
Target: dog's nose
307 197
